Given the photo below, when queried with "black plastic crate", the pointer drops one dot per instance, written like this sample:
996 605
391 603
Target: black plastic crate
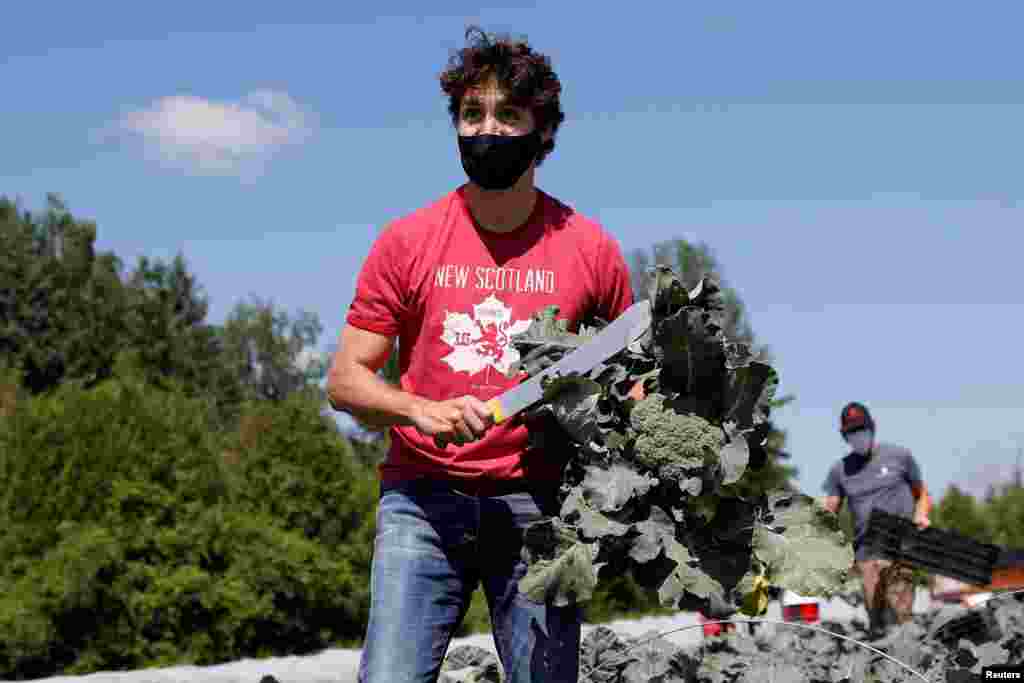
934 550
977 626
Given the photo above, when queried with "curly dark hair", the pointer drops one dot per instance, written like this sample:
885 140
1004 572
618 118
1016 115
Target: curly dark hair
525 74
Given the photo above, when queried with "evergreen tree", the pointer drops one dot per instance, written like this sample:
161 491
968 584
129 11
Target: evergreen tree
62 304
1004 515
168 328
958 511
273 352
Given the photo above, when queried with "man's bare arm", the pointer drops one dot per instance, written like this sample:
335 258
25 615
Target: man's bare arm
354 387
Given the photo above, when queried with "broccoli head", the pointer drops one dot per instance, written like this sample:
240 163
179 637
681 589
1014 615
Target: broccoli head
676 446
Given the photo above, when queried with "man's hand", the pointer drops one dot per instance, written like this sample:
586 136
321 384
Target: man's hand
921 520
832 503
457 420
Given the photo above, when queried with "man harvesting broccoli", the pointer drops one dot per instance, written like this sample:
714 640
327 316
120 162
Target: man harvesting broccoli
887 477
452 282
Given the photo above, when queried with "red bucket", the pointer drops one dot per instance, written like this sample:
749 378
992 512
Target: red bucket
806 613
715 629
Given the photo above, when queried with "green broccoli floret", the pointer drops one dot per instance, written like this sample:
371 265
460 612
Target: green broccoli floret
676 446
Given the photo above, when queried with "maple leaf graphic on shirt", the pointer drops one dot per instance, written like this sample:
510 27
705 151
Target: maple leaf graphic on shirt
482 339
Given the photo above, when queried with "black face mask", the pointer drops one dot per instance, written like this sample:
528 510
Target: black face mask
496 162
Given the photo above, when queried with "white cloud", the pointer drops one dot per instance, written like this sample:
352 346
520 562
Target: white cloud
208 137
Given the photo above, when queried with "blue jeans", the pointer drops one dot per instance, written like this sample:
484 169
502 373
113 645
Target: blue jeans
434 546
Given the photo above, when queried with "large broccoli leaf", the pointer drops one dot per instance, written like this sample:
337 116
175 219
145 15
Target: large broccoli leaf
562 570
664 290
470 664
667 563
735 455
607 657
592 525
748 392
656 660
603 656
573 399
692 355
802 545
546 340
615 488
577 404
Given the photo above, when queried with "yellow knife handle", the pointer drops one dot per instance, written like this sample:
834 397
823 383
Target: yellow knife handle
495 407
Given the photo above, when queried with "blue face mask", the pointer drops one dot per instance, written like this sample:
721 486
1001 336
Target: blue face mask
861 440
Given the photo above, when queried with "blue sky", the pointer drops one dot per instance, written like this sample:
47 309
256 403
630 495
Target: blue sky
856 169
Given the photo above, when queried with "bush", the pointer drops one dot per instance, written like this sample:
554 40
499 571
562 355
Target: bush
135 541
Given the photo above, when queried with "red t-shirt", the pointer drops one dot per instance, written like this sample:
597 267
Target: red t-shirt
454 293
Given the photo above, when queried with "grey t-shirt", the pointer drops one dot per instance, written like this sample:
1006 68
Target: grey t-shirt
881 481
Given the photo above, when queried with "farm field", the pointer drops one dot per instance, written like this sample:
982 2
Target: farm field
775 652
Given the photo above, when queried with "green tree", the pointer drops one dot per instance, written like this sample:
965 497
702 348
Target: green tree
168 328
960 512
260 352
134 534
997 518
62 304
65 310
272 351
1005 518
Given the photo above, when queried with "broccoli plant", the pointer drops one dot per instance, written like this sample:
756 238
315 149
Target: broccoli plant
658 437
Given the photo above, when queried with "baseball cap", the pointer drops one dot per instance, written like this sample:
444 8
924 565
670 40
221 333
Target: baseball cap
855 416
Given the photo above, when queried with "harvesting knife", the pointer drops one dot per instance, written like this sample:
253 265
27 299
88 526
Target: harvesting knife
611 339
608 341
